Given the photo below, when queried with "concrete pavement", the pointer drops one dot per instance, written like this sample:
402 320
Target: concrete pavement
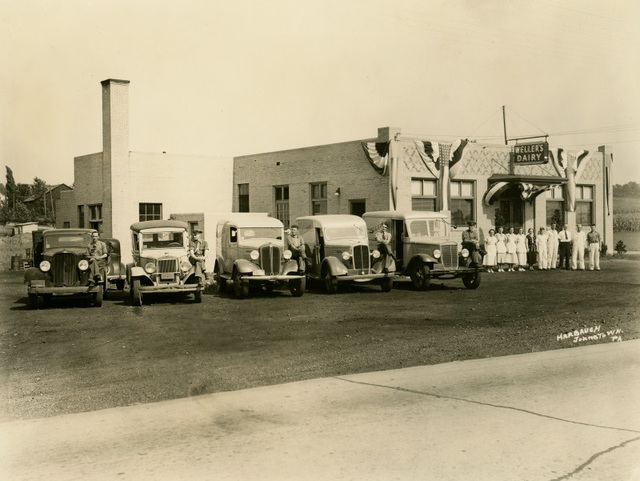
569 414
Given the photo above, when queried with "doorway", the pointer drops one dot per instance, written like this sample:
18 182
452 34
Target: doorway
511 210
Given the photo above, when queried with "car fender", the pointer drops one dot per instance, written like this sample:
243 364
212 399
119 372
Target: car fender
290 266
424 258
137 271
34 273
334 265
244 266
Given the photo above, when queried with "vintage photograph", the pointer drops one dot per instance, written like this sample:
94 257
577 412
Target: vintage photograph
319 240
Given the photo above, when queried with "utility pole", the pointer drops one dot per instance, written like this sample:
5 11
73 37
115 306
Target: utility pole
504 124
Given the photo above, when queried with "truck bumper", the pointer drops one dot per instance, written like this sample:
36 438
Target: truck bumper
61 291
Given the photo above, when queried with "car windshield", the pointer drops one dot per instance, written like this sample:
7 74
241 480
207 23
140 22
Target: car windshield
67 240
260 233
345 232
428 228
162 240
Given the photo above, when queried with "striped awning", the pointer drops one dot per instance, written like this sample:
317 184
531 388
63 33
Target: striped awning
530 186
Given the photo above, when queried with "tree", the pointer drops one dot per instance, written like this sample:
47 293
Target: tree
41 208
11 189
630 189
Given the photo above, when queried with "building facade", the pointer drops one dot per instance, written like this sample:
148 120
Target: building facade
486 183
117 187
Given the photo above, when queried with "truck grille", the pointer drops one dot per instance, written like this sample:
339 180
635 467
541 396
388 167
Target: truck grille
270 259
167 265
361 257
449 256
64 270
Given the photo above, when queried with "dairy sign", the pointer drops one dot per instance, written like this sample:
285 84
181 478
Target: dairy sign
532 153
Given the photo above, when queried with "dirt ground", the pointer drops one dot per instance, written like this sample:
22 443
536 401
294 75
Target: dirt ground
72 357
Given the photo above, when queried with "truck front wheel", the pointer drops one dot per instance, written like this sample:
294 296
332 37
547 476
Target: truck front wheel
420 277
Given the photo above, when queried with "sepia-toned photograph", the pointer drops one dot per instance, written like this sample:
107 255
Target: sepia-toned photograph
320 240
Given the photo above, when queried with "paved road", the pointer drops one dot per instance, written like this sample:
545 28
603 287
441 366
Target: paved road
570 414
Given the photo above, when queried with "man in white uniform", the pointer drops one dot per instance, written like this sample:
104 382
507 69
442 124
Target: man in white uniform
577 252
593 239
552 247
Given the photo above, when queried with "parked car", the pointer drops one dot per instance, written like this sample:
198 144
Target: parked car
423 247
161 263
337 250
61 266
251 252
116 273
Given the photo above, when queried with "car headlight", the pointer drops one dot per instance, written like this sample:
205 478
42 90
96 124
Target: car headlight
464 253
254 255
437 253
45 266
346 256
83 265
375 253
287 254
150 267
185 266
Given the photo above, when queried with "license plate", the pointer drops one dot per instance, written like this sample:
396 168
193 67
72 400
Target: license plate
166 276
37 283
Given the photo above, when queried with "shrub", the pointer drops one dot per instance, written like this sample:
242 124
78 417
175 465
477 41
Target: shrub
621 248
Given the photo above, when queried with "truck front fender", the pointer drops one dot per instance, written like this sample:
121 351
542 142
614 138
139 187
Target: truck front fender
334 265
244 266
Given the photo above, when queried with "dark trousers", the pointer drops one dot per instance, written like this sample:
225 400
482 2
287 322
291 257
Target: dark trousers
564 252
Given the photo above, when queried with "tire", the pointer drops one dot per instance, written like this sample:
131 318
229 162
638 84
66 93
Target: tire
221 282
197 296
33 301
420 277
330 282
97 298
297 287
136 295
120 284
386 284
471 281
240 288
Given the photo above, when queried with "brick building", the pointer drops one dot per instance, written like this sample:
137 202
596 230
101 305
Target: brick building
486 183
117 187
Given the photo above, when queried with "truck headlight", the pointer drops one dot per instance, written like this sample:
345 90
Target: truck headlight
83 265
287 254
437 253
375 253
150 267
346 256
255 255
185 266
45 266
464 253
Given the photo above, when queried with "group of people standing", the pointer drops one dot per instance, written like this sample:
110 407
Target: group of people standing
549 249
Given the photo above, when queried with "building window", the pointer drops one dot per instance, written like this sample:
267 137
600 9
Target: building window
555 207
462 202
95 217
424 193
281 194
584 204
150 212
66 225
81 216
357 207
243 197
319 198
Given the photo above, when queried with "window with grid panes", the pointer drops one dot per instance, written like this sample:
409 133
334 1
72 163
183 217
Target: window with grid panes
463 201
424 194
281 195
555 206
319 198
584 204
243 197
149 211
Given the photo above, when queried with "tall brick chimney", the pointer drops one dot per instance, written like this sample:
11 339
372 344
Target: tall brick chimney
117 210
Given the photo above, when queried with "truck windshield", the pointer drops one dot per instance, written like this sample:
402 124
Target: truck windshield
345 232
162 240
260 233
428 228
67 240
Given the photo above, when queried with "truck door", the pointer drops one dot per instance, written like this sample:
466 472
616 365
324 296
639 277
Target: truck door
398 229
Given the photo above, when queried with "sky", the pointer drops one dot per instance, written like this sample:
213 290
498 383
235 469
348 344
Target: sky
233 78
